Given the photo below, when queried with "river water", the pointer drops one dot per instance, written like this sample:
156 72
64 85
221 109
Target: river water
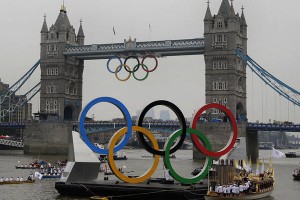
286 188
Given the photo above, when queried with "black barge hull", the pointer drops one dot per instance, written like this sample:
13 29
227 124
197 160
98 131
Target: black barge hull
143 191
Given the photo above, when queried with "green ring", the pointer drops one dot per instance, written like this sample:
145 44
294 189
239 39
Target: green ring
167 162
133 71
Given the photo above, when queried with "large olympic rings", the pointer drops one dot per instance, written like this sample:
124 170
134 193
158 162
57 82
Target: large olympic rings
203 146
122 108
135 68
181 119
113 166
233 136
167 162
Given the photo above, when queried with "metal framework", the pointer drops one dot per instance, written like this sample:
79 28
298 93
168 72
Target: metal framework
13 89
23 100
11 143
131 47
280 87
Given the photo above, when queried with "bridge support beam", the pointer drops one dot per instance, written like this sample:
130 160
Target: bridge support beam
252 145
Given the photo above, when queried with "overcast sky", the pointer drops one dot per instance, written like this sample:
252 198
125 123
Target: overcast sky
273 42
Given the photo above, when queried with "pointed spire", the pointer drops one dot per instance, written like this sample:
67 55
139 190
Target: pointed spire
224 9
231 12
63 8
80 30
243 20
44 27
208 15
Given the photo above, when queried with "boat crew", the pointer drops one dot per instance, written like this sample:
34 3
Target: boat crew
21 179
224 190
1 180
6 179
11 179
17 179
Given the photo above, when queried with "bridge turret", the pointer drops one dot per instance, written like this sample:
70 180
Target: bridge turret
44 31
225 72
244 28
61 77
80 35
232 22
208 20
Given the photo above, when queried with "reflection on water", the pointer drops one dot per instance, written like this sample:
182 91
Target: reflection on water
286 188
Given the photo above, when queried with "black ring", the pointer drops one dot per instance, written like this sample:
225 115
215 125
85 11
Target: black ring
134 70
180 117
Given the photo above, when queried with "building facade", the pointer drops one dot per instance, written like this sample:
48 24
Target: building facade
11 113
61 77
225 73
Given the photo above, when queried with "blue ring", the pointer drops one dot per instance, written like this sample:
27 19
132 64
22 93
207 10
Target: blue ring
114 57
124 111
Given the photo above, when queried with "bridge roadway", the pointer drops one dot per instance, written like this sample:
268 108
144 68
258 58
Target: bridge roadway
140 49
91 126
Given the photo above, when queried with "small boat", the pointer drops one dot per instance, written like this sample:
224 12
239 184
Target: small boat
16 182
26 167
46 175
296 174
292 154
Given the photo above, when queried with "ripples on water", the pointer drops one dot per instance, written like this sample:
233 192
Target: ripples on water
286 188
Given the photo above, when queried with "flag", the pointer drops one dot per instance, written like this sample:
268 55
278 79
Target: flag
114 30
262 170
150 28
257 167
276 153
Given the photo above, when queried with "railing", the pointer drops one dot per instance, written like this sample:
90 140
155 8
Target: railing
159 48
11 143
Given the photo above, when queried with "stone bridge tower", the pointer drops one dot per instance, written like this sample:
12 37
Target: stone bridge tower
61 77
225 72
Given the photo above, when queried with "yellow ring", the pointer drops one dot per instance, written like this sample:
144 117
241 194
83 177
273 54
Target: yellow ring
117 70
112 164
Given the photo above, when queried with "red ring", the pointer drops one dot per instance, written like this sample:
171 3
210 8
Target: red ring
233 136
149 56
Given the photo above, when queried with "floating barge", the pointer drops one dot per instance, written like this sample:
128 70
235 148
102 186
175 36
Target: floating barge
80 178
151 190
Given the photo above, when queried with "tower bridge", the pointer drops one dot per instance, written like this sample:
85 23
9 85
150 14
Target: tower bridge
63 53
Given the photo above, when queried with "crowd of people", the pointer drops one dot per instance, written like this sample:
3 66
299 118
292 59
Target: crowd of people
233 189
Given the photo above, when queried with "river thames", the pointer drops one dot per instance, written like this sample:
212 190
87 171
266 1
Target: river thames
285 189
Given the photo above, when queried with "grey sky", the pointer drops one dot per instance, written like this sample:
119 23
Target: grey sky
273 41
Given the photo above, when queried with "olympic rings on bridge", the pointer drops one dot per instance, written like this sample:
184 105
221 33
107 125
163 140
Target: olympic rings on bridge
118 68
204 146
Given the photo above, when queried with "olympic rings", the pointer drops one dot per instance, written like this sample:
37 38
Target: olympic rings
118 69
135 68
167 161
138 65
156 63
181 119
141 79
205 148
234 130
113 166
122 108
107 64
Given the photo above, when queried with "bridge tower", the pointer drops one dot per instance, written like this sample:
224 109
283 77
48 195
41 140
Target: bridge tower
225 72
61 77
